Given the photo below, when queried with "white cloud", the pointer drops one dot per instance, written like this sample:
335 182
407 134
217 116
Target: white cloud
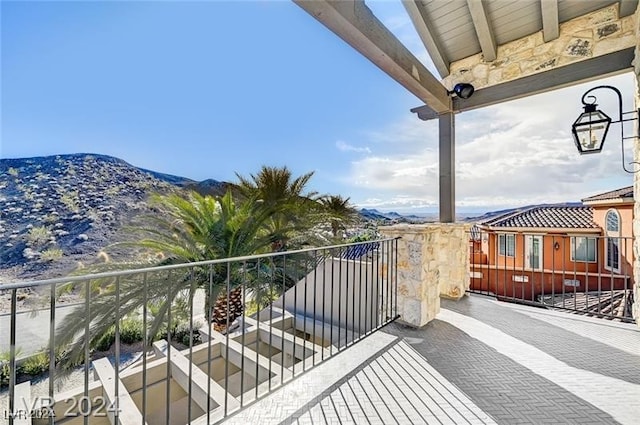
345 147
511 154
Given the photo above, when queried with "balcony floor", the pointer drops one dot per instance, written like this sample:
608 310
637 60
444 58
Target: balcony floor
480 361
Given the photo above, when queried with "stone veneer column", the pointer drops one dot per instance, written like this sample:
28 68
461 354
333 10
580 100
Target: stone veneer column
636 183
433 261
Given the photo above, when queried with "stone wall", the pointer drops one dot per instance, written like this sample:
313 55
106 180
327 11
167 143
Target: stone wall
433 261
591 35
636 189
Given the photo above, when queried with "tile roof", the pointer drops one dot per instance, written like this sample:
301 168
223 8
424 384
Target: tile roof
563 217
625 192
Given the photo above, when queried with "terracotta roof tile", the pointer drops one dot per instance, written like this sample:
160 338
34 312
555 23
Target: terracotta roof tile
625 192
562 217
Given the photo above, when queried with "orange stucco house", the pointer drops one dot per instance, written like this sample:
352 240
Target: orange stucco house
556 249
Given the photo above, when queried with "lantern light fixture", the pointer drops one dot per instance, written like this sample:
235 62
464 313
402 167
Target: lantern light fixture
592 126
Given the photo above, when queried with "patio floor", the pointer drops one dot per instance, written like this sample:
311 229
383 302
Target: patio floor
481 361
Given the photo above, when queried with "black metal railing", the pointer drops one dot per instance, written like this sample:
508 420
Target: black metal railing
189 343
581 273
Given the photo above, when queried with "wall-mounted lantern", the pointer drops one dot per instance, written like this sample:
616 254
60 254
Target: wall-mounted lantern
592 126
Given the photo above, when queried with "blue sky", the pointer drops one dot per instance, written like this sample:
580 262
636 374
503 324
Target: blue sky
208 89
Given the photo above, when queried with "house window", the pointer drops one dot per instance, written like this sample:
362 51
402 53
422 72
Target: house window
612 241
533 252
583 249
507 245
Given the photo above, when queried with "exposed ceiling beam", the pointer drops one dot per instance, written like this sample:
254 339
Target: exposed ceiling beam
483 29
627 7
564 76
419 18
354 22
550 24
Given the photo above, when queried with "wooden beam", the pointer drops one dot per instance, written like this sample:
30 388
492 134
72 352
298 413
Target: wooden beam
354 22
447 151
425 113
627 7
483 29
556 78
419 18
550 24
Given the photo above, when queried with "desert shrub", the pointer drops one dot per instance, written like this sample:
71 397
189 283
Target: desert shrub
51 254
38 235
71 201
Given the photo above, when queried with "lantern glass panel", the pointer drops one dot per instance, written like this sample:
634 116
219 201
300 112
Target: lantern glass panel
590 130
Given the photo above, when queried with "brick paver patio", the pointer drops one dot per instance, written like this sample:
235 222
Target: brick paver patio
480 362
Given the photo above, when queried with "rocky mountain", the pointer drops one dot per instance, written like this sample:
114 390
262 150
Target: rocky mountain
59 212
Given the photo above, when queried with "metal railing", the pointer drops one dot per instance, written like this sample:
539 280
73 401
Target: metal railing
188 343
582 273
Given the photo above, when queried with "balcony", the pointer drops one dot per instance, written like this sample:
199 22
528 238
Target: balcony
330 347
274 318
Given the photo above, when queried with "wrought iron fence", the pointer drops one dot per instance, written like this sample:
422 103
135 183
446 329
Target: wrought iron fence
188 343
582 273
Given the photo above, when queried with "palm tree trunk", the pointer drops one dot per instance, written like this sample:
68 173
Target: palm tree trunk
227 311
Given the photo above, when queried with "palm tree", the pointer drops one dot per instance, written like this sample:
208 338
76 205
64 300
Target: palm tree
286 198
190 229
338 212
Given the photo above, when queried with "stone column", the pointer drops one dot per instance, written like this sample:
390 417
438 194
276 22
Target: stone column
636 182
433 261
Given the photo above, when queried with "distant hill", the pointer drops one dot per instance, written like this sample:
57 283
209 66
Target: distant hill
494 214
58 212
394 217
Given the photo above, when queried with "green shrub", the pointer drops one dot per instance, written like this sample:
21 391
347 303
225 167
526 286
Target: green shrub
104 341
181 334
4 373
131 331
4 366
35 365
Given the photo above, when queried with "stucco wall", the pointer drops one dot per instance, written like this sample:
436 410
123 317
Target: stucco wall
343 293
592 35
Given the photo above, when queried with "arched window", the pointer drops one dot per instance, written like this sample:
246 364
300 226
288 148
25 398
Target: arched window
612 241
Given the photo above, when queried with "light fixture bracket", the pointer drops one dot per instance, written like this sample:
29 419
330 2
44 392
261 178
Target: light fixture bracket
591 128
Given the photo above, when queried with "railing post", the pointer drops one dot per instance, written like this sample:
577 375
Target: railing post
433 261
